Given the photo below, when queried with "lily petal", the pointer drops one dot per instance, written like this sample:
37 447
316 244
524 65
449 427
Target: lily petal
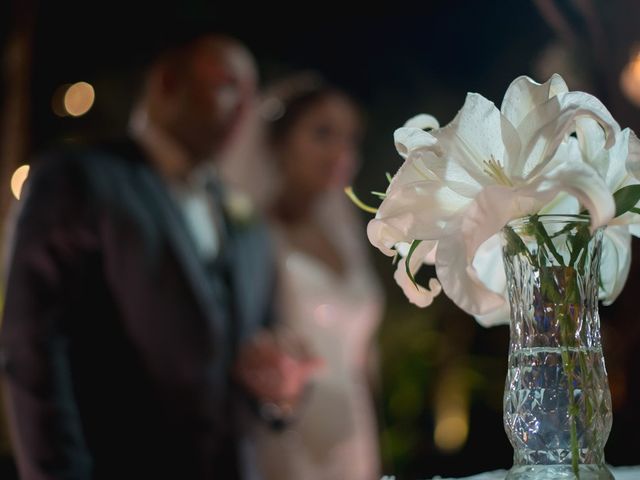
423 121
546 127
582 182
610 163
633 156
423 254
634 229
524 94
414 169
418 211
490 267
484 217
615 262
477 135
416 294
500 316
410 139
384 236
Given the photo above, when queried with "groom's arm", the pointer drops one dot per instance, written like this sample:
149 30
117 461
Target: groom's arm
51 239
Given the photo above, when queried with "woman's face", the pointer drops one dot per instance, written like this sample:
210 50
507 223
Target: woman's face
320 150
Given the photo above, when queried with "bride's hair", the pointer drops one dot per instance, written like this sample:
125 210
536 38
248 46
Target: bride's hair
282 105
285 101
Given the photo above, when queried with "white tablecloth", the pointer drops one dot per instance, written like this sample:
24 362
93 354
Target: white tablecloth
621 473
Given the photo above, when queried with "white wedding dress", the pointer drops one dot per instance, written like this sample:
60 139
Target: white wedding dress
335 436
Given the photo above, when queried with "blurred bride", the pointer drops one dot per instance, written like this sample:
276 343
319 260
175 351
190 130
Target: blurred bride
330 298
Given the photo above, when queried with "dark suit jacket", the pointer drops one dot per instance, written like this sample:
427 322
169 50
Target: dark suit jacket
115 346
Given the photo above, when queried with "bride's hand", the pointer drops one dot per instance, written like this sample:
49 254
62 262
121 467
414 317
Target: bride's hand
273 373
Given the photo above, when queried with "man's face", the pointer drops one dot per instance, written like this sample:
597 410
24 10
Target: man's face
217 90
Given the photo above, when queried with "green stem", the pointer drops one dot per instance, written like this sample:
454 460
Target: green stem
569 368
573 413
586 383
544 238
565 299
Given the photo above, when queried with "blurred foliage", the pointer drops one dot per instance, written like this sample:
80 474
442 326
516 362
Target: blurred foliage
421 351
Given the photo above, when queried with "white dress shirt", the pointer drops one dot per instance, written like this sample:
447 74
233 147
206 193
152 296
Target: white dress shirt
201 214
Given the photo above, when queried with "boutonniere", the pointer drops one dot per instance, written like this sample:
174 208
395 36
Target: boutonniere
239 207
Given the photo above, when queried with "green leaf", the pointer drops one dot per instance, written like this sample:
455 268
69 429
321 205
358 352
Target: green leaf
626 198
414 245
514 244
579 241
389 177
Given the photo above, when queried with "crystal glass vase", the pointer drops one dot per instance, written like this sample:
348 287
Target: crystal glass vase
557 403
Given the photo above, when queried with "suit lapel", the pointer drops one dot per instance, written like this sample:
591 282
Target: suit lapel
176 231
250 269
250 276
241 300
235 252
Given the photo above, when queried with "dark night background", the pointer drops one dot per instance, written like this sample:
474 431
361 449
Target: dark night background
422 60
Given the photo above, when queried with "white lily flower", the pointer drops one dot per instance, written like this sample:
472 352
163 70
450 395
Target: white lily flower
613 166
460 184
589 146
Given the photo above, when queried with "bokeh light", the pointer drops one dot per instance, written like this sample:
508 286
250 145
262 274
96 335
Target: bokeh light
451 430
73 99
17 180
452 412
630 79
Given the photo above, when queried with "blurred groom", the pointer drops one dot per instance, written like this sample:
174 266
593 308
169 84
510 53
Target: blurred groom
135 278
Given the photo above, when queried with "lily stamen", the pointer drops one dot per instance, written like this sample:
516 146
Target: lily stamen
496 171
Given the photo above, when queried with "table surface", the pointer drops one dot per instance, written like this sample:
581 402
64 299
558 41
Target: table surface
621 473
